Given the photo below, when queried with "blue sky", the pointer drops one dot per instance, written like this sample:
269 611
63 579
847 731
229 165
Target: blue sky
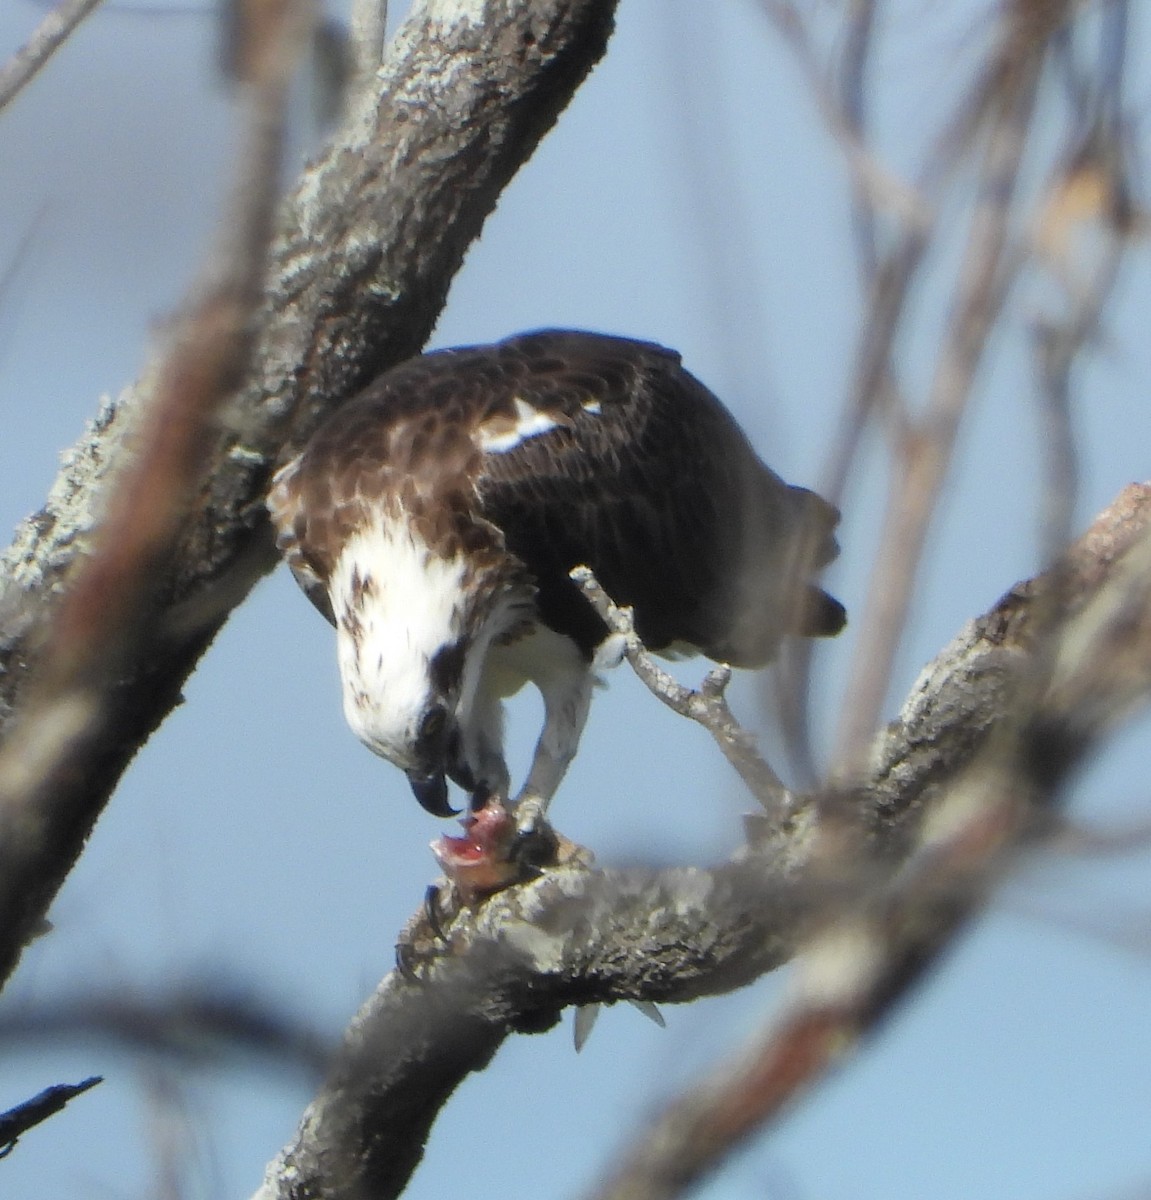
690 196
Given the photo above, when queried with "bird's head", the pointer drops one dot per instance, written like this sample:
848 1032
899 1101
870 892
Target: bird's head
404 706
404 622
436 749
429 753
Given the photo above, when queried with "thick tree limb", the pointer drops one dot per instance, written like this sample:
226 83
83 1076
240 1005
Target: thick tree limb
574 937
367 247
579 936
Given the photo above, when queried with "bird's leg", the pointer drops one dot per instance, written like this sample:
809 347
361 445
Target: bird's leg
503 842
567 698
610 652
480 751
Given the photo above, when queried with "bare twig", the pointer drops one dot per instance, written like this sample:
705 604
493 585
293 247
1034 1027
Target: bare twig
368 33
1081 840
925 451
876 194
860 26
106 620
18 1120
201 1023
876 190
11 269
52 32
169 1134
707 705
1080 237
1122 928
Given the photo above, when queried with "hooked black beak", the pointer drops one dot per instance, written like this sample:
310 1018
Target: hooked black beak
432 793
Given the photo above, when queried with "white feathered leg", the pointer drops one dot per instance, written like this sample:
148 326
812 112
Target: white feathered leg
567 698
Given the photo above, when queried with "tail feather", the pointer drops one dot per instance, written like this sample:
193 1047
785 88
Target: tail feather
815 613
819 615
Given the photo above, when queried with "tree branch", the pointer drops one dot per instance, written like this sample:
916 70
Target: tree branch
706 705
573 937
927 445
874 944
107 616
368 24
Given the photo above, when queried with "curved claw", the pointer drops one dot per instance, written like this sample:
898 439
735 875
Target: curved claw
586 1016
481 794
432 793
405 963
433 913
650 1010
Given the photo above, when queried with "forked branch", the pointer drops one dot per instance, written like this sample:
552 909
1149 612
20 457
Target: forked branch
707 704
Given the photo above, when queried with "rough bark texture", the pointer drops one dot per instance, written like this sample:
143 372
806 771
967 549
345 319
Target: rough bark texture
574 937
368 244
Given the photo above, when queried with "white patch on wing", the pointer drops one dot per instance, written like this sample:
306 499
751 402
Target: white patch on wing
396 603
592 406
499 435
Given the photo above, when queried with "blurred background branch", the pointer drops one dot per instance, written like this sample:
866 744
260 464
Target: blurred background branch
104 628
52 32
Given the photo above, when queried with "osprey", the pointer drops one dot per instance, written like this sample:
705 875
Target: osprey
434 518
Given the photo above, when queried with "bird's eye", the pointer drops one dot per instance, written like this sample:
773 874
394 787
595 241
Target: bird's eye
446 666
433 724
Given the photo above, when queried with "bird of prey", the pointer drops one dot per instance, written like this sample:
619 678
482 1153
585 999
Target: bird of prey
434 520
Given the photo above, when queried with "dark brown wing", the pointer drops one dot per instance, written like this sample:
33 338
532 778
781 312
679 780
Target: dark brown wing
286 504
403 445
647 479
572 448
